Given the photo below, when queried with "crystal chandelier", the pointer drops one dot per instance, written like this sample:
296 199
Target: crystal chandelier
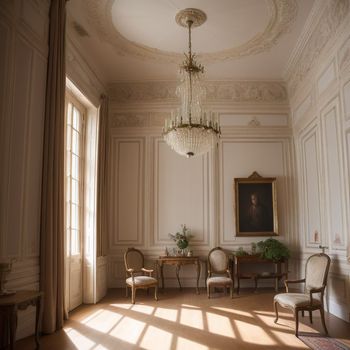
191 131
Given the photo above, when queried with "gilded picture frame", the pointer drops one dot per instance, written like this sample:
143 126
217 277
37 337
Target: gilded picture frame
256 206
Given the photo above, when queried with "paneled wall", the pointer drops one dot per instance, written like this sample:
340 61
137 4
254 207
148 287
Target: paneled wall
318 86
153 190
23 62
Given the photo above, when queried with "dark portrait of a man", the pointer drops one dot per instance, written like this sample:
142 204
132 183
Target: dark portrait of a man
255 207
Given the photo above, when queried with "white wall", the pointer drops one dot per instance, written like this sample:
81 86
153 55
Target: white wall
23 62
319 90
153 190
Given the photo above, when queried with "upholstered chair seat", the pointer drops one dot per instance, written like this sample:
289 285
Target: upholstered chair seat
311 299
218 271
137 276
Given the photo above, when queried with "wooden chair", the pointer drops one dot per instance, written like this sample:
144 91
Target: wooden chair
219 274
137 276
316 272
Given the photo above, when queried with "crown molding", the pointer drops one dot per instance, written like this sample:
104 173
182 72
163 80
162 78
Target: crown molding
260 92
333 15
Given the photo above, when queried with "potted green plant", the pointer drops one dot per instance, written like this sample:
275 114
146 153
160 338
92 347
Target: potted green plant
181 238
273 249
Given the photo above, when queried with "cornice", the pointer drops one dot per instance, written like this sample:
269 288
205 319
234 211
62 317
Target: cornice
282 15
332 17
272 92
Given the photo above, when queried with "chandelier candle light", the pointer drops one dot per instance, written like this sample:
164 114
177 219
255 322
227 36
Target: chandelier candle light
191 131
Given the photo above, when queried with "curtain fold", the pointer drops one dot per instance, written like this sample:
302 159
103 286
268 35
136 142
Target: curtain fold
52 209
102 173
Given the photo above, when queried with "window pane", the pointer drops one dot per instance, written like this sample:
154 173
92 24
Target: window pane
75 143
68 164
75 166
75 191
75 239
69 137
68 186
69 114
76 119
68 215
75 217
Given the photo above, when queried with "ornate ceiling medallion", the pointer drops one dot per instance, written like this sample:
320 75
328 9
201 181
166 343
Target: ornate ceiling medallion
282 15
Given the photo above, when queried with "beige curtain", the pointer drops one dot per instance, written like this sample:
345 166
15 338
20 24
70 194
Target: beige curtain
52 210
102 177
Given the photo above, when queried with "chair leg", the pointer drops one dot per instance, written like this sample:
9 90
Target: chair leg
323 321
231 292
208 291
156 292
126 291
296 315
133 293
276 311
310 316
302 313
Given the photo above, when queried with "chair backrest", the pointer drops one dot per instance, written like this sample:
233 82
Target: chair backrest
217 260
316 271
133 259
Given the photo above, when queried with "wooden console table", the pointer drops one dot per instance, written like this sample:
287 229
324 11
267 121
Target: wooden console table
20 301
179 261
253 274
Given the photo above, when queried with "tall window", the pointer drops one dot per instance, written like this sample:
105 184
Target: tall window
74 175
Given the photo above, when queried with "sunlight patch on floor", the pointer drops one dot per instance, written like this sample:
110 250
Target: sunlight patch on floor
220 325
166 314
253 334
145 309
233 311
191 318
79 340
190 306
123 306
128 330
102 321
184 343
155 338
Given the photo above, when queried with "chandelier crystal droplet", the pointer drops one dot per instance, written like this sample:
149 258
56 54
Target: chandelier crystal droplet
191 131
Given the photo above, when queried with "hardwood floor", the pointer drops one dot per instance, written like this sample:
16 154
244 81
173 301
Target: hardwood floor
183 320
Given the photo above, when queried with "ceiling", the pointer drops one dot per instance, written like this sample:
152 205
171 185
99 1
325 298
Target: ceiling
137 40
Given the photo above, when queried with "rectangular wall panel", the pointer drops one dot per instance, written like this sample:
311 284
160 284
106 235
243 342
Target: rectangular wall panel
310 194
346 97
20 103
127 184
333 161
241 158
180 195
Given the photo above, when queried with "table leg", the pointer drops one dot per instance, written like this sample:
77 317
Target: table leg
38 320
161 274
13 326
177 274
198 274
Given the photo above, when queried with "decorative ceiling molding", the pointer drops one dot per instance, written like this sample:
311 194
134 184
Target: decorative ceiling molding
216 91
282 15
132 119
333 16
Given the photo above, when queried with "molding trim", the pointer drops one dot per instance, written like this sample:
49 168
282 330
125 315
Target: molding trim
332 17
282 15
216 91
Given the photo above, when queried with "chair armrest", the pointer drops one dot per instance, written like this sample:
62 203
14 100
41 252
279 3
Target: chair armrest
149 271
131 271
286 282
315 290
229 273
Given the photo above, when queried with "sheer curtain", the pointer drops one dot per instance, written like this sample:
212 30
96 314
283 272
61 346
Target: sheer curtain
52 210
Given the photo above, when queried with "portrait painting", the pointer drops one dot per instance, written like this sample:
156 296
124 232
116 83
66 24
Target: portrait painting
256 206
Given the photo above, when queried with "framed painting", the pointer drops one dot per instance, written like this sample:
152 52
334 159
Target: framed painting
256 206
